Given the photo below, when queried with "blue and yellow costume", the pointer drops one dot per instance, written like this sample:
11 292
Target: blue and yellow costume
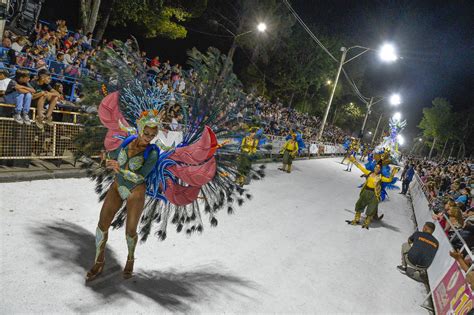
248 149
289 150
369 196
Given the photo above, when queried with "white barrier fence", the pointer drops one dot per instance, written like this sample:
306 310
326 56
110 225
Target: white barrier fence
450 292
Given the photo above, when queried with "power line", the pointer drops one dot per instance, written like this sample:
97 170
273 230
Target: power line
311 34
206 33
308 30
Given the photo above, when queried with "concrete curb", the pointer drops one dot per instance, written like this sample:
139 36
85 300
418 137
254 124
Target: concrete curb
26 175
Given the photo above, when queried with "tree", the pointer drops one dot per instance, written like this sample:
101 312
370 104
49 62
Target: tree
89 13
349 117
300 71
240 18
153 17
437 122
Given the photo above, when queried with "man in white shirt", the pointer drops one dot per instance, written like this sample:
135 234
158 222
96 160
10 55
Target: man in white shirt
4 80
19 44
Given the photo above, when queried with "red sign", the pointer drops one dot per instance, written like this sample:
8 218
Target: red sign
453 295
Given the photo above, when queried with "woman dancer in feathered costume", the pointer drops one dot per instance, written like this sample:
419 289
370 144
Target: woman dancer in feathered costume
146 183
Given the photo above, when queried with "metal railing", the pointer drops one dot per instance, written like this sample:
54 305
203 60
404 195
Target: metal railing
20 142
56 142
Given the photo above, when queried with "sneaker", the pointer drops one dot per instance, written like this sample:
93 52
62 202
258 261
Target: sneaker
402 269
26 119
39 122
49 121
18 119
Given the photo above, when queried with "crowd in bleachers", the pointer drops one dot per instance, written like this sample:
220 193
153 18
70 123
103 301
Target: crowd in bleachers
448 185
278 120
65 55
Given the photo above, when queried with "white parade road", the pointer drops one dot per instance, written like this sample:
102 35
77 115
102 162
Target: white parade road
288 250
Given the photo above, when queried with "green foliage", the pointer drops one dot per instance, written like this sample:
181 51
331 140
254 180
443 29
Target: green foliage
157 17
90 141
438 120
279 23
301 67
349 116
211 87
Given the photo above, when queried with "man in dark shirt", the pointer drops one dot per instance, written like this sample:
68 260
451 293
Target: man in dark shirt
420 250
407 177
44 94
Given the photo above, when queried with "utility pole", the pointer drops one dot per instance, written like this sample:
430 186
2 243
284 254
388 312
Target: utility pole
369 106
376 128
323 123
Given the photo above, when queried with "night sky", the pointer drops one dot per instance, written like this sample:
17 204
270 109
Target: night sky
434 38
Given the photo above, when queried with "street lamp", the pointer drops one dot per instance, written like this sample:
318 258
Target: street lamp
261 28
394 99
386 55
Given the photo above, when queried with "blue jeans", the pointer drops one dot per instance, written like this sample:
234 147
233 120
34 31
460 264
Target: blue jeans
22 101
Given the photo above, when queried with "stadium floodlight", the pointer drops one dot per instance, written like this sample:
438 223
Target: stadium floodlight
387 53
395 99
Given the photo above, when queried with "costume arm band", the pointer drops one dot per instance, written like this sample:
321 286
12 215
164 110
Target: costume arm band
113 155
149 164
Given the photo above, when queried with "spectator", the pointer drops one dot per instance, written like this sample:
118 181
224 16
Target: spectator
464 265
19 92
420 250
73 70
61 28
43 41
57 66
4 81
465 194
68 42
44 93
155 62
41 63
407 177
6 42
19 44
69 57
87 41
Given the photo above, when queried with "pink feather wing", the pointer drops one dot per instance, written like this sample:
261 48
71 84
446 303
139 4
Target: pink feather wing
110 115
195 175
197 152
180 195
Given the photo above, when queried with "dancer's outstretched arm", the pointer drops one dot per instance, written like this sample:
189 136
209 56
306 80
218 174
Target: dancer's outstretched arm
359 166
